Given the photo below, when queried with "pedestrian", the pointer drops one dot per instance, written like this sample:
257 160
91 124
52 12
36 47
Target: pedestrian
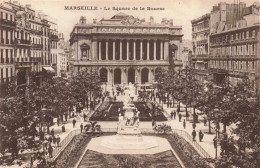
215 142
201 135
184 124
45 143
194 125
66 117
194 134
58 140
54 139
205 121
74 122
180 117
174 114
170 104
81 127
50 139
52 132
171 114
153 123
50 150
84 116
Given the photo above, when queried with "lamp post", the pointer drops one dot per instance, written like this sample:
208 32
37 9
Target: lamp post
215 140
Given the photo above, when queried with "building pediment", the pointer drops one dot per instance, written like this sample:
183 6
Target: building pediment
173 47
85 46
130 20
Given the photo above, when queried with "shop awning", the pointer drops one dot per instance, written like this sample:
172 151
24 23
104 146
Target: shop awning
48 68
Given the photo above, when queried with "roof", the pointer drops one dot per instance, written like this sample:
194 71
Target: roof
120 15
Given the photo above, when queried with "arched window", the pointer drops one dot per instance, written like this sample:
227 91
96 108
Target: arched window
103 75
85 51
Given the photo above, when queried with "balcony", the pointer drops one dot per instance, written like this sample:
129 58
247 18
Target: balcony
24 59
37 32
22 42
5 22
54 37
37 46
202 42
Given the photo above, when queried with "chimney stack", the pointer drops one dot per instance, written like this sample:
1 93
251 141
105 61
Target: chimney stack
28 6
83 20
171 22
151 19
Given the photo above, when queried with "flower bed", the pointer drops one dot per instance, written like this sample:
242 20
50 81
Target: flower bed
98 160
69 157
146 113
188 155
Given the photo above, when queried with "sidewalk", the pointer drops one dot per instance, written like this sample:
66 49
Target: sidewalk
207 141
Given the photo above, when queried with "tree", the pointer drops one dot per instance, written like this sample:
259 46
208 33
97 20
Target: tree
192 90
244 112
85 85
18 118
163 128
93 127
55 95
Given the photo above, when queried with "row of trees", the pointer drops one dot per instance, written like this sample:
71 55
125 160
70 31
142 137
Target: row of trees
25 107
226 104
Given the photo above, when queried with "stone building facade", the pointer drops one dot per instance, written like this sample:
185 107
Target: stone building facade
28 42
7 31
235 52
125 49
200 42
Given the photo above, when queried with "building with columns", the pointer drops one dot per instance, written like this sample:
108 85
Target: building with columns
125 49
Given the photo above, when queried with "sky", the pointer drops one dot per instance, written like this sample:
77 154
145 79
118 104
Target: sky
181 11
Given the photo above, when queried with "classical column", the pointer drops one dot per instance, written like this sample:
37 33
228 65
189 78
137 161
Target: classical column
154 50
134 48
141 50
106 49
99 50
125 80
127 50
161 54
148 55
120 49
114 50
166 50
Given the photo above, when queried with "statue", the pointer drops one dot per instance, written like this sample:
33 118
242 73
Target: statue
136 119
121 122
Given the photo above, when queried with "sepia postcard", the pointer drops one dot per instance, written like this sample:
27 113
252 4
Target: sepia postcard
129 83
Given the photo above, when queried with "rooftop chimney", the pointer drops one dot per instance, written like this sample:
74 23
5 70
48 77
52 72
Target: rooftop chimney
83 20
28 6
171 22
163 21
151 19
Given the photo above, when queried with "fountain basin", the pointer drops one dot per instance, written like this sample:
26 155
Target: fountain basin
136 142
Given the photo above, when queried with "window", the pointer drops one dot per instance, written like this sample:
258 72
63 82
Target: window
253 34
247 35
7 59
2 56
6 71
6 16
11 56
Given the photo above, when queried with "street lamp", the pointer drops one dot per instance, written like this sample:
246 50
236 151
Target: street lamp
215 140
